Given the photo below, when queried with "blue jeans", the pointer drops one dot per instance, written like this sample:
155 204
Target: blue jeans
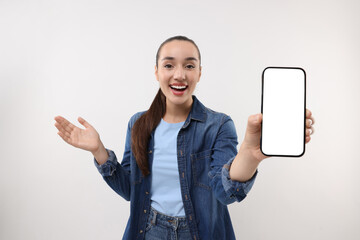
163 227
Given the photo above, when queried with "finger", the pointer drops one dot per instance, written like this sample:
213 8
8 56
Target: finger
65 138
255 119
62 130
84 122
59 127
307 139
309 122
68 126
254 124
310 131
310 116
59 119
313 120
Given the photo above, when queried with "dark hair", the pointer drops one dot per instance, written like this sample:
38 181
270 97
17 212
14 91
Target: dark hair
143 127
180 38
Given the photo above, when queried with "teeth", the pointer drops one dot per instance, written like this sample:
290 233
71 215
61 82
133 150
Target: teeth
179 87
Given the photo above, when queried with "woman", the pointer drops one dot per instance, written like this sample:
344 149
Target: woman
180 167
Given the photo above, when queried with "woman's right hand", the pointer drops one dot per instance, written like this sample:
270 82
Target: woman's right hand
87 139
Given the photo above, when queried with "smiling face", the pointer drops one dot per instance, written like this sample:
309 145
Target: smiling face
178 72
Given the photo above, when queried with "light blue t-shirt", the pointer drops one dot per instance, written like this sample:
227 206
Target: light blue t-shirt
165 184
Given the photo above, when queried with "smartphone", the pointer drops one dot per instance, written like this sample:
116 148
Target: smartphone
283 105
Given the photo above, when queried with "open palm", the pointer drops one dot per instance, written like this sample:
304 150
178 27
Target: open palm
87 139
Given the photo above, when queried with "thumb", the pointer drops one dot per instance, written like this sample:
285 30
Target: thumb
83 122
254 123
257 119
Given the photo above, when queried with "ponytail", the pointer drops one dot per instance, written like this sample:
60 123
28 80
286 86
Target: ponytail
142 129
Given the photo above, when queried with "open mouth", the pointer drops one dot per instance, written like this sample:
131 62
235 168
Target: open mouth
179 88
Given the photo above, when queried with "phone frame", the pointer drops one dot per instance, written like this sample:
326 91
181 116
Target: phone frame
262 101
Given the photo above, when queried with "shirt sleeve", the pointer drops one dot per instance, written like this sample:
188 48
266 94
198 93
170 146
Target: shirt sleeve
108 168
224 152
235 189
116 175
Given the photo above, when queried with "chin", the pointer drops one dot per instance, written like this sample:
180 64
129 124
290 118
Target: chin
178 100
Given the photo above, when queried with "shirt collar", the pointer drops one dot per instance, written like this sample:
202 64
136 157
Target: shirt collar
197 112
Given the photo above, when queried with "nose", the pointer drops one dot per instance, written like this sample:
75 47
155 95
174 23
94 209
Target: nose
179 74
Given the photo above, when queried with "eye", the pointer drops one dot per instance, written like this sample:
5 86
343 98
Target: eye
190 66
168 66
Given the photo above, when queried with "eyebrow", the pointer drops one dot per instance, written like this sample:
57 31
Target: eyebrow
172 58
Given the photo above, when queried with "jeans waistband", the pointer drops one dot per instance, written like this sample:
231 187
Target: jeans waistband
158 218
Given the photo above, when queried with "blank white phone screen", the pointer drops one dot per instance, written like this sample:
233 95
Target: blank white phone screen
283 109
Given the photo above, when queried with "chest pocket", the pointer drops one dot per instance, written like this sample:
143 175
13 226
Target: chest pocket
200 164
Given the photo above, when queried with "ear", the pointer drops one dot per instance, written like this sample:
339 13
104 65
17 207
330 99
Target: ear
156 73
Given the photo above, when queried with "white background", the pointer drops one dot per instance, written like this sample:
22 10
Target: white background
96 59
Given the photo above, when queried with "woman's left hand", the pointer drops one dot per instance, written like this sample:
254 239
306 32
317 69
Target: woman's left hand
253 132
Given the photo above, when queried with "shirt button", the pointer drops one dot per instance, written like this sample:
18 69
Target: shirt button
237 189
146 193
186 197
144 211
150 151
141 231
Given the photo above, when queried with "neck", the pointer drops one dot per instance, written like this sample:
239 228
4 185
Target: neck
177 113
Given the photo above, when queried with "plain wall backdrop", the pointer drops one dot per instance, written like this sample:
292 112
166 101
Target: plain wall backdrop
96 59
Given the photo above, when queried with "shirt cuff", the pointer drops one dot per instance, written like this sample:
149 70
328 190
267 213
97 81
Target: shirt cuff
109 167
235 188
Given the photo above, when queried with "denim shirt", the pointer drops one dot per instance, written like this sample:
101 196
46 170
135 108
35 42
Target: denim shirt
206 147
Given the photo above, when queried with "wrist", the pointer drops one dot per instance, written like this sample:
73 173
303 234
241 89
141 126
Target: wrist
253 153
101 155
249 154
99 149
244 165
